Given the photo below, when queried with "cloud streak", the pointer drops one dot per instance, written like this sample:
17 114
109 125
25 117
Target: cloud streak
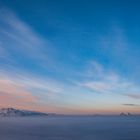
31 81
18 37
14 95
29 92
100 80
133 95
133 105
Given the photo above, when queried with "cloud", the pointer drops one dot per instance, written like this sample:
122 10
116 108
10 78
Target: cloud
97 86
94 68
14 95
29 92
101 80
22 47
2 51
17 37
133 95
23 50
114 42
32 81
131 105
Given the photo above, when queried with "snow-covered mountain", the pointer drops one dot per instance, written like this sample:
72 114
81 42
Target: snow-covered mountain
11 112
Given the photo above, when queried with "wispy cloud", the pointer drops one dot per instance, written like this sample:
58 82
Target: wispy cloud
18 37
28 92
20 44
9 88
100 80
133 95
31 81
23 33
114 42
14 95
117 47
131 105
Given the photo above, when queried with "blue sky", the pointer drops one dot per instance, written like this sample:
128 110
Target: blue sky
70 56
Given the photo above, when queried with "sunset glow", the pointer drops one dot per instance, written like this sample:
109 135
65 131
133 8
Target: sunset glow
70 58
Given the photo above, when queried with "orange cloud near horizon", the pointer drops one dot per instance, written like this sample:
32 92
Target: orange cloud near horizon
12 95
15 95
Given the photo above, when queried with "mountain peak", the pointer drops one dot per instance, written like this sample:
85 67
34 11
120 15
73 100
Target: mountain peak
12 112
125 114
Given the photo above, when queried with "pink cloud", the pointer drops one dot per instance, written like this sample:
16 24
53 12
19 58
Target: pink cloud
14 96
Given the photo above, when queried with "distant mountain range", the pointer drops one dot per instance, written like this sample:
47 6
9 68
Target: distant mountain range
126 114
12 112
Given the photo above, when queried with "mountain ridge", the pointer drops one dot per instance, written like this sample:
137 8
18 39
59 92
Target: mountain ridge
12 112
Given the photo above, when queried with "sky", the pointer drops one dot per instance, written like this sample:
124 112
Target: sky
70 57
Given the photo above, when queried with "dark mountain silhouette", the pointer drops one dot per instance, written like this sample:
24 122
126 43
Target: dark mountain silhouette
12 112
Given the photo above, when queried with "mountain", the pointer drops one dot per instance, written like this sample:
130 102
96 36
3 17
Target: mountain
126 114
12 112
